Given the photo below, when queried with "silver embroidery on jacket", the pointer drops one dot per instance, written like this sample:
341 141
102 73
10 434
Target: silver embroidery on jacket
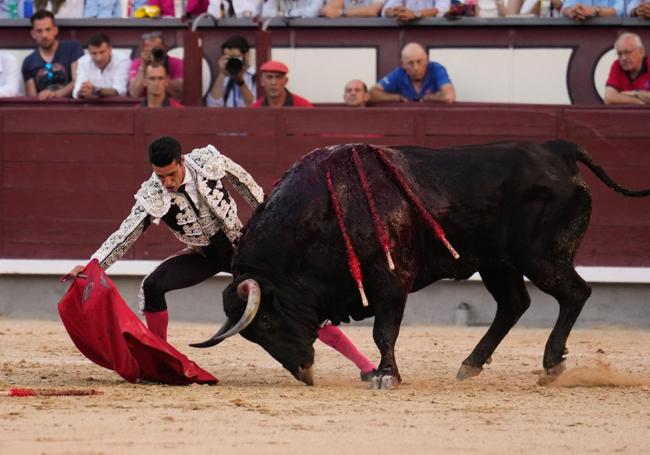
153 201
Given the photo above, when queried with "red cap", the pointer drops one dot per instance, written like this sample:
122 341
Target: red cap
273 66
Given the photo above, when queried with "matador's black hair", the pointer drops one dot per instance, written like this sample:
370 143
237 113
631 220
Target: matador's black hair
163 151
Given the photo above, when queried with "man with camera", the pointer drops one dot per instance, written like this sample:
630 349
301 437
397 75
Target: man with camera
235 83
154 50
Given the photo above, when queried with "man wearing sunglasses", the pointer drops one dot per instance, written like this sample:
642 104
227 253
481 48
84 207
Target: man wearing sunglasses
49 71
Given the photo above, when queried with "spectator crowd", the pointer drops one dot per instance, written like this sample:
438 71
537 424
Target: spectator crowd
61 69
399 10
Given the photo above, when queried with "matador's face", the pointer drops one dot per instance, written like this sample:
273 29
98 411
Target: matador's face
172 175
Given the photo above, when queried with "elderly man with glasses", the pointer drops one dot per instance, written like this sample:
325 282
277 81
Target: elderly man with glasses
154 49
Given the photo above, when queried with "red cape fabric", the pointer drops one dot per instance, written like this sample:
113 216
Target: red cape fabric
106 331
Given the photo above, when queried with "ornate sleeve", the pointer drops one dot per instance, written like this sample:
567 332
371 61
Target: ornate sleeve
121 240
243 182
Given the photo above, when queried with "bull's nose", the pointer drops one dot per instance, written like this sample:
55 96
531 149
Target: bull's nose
305 374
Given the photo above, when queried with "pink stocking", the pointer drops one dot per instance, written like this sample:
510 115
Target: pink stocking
157 322
335 338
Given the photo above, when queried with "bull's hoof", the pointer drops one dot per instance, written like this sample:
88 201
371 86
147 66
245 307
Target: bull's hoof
384 382
556 370
368 375
467 371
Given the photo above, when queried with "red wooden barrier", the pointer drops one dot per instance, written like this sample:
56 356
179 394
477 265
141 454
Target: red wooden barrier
68 174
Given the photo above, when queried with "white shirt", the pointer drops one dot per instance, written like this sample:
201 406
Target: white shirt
242 8
349 4
235 97
11 82
115 75
292 8
70 9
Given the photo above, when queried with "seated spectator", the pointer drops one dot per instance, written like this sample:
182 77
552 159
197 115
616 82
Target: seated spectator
412 10
536 8
274 81
352 8
152 44
10 82
416 79
50 70
157 82
582 10
101 73
639 8
291 8
356 94
62 9
235 83
233 8
629 77
103 8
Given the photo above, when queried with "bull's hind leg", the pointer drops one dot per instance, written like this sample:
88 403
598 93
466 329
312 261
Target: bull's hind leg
507 287
385 331
571 292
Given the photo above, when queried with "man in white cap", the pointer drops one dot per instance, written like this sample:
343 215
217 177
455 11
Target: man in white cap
273 78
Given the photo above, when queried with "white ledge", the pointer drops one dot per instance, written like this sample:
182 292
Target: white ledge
629 275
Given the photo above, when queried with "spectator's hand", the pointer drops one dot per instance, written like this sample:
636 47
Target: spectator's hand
46 94
331 11
581 12
405 15
146 57
222 64
74 273
87 90
643 10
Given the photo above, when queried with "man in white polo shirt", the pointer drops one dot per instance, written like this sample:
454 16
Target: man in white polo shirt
101 73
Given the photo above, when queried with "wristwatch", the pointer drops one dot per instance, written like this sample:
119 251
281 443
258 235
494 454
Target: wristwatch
418 14
597 11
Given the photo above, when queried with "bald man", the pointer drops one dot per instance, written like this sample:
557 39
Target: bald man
417 79
355 93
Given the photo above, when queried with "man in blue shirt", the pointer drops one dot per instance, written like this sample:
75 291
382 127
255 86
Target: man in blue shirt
417 79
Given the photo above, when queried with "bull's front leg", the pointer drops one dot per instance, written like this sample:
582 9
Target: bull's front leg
388 317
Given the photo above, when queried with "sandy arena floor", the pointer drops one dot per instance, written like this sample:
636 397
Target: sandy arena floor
601 405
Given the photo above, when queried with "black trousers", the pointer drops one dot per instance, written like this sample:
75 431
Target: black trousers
185 270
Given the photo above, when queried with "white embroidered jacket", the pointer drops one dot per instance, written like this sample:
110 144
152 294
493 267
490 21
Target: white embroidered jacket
217 210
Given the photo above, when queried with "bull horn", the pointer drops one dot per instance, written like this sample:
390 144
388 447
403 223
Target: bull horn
247 289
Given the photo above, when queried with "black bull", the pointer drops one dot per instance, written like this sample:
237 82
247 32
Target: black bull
510 209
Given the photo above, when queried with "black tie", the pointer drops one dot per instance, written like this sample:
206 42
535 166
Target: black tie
181 189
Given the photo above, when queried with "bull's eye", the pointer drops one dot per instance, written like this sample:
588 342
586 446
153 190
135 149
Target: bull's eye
264 321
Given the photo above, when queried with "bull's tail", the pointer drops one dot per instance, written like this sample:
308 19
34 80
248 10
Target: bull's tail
585 158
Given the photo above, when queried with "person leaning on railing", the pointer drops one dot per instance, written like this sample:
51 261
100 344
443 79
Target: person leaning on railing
629 76
416 80
352 8
582 10
639 8
412 10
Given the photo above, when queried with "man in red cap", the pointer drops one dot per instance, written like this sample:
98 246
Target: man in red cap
273 78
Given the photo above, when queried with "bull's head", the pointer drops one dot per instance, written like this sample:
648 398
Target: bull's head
255 312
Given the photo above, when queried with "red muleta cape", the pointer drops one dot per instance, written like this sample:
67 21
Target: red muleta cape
106 331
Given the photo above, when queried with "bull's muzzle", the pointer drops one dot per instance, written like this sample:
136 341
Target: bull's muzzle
305 374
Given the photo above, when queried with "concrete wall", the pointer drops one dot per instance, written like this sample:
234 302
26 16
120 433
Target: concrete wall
611 304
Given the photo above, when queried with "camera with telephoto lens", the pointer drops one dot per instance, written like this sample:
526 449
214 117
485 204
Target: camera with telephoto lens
234 65
158 54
